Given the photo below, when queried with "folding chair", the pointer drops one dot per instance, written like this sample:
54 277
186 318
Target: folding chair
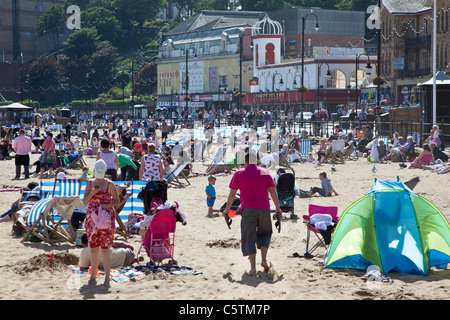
172 178
284 160
69 187
219 158
78 161
337 149
323 236
304 147
44 221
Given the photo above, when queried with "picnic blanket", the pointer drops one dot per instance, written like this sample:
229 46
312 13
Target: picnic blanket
136 273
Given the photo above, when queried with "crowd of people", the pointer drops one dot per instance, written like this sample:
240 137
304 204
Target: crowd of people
132 150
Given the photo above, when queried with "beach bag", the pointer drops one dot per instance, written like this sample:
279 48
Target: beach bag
133 219
102 219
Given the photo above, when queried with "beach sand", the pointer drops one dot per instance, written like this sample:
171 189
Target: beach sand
208 246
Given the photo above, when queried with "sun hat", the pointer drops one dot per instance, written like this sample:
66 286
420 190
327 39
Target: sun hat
100 169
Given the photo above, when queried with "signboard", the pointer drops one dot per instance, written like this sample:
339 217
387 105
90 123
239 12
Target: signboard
195 76
253 82
399 64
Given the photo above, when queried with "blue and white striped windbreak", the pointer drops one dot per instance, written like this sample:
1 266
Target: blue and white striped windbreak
133 204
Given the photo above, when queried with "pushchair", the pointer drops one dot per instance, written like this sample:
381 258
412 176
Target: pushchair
286 192
159 240
153 195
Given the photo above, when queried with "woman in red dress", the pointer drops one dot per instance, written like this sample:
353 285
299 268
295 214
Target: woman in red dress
100 192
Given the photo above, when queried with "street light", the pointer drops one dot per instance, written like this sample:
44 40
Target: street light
316 27
368 67
273 86
186 98
328 74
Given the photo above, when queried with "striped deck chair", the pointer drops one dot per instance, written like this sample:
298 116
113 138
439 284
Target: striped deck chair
44 226
304 147
50 222
172 178
384 138
219 157
69 187
49 189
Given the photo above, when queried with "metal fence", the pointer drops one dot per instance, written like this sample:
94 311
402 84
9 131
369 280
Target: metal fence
381 126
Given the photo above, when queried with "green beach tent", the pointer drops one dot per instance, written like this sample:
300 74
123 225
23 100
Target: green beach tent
392 228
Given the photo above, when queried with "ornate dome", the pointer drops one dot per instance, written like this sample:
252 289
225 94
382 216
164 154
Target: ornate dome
267 26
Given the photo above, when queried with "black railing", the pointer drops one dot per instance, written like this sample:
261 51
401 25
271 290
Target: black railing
419 130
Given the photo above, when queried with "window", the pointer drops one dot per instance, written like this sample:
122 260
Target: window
197 47
223 83
27 35
1 3
207 47
186 48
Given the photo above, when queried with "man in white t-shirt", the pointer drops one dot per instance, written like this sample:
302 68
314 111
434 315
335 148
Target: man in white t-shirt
121 254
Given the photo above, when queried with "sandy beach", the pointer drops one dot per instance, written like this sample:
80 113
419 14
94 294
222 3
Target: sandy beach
208 246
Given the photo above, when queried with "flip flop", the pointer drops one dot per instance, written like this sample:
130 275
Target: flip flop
228 220
278 223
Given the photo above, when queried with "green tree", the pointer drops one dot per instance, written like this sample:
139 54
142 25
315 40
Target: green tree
82 42
52 23
137 11
212 5
44 71
104 21
102 64
145 81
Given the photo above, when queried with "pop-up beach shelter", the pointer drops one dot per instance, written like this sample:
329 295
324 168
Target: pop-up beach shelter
392 228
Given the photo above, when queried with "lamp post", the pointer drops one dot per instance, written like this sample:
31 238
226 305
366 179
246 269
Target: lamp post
186 98
316 27
319 68
368 66
273 87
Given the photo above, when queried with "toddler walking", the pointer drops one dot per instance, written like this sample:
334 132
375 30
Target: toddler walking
210 195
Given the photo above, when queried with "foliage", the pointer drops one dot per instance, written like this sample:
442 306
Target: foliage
44 71
52 23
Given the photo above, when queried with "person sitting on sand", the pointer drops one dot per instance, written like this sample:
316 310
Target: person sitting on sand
438 153
327 189
122 255
425 158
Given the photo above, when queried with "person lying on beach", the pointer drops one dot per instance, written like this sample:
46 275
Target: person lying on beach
122 255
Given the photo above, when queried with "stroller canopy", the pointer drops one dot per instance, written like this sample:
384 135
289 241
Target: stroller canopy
392 228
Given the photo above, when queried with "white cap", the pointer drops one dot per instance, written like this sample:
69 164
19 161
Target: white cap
100 169
61 175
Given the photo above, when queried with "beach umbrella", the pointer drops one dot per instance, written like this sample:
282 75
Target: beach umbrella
393 229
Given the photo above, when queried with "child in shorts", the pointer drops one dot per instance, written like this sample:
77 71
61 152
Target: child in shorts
210 195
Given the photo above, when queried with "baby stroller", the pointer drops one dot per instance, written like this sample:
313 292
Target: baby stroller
286 192
153 195
159 240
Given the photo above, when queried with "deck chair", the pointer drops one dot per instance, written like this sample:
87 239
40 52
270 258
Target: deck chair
172 178
219 158
78 161
323 236
304 147
283 159
337 150
62 193
46 218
